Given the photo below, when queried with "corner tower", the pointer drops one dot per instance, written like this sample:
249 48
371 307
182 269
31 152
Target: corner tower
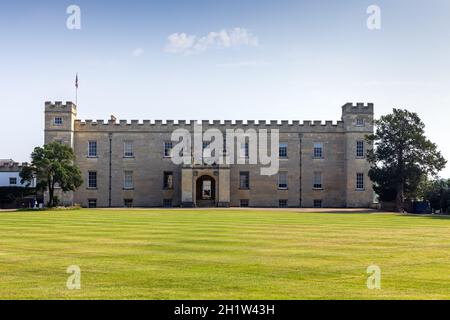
358 123
59 122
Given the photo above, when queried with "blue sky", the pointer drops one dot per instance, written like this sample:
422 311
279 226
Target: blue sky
303 61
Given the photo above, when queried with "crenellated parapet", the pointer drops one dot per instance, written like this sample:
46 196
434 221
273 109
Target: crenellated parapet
59 106
357 108
160 125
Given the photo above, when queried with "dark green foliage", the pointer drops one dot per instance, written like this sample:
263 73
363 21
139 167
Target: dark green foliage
402 156
53 165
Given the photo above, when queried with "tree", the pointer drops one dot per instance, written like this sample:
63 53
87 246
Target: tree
52 166
437 192
402 156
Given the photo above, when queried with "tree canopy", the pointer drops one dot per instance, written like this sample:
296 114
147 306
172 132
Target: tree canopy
402 156
53 166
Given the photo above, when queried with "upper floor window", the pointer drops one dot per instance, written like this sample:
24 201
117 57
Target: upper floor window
282 180
206 149
92 179
360 181
168 149
92 149
360 122
168 180
283 153
58 121
128 180
317 180
245 150
13 181
318 150
360 149
128 149
244 180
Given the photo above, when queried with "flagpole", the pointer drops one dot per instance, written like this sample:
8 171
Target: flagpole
76 90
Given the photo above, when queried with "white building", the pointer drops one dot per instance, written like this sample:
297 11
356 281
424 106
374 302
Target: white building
10 174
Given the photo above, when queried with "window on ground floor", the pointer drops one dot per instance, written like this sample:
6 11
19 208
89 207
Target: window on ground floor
283 180
92 179
282 203
360 181
317 184
244 203
244 180
318 203
167 203
92 203
13 181
128 203
168 180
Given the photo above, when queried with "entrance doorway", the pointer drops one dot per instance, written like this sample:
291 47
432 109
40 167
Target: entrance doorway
206 191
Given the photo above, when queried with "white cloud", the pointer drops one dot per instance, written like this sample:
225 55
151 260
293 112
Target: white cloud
187 44
138 52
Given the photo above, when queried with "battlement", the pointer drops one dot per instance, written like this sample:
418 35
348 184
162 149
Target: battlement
350 108
155 125
58 106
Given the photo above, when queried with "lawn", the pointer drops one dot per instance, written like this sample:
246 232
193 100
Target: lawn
222 254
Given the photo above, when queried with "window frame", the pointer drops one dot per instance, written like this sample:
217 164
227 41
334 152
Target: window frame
360 146
318 183
360 181
283 146
283 203
91 148
167 151
244 203
360 122
246 185
58 123
317 203
166 185
128 144
281 185
128 184
89 203
13 178
91 175
316 147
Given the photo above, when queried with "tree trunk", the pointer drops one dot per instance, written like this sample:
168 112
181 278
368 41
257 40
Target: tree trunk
50 194
400 201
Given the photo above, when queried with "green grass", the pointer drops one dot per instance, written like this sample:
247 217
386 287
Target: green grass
222 254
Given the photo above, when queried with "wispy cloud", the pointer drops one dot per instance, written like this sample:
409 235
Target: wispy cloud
183 43
137 52
251 63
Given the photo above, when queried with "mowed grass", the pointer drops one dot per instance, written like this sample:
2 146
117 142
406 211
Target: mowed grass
222 254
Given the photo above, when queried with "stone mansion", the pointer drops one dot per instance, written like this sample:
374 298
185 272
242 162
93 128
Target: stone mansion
128 164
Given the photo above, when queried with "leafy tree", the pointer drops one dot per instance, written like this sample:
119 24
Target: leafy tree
402 156
437 192
52 166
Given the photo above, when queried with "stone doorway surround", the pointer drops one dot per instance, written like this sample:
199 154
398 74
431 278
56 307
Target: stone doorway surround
220 175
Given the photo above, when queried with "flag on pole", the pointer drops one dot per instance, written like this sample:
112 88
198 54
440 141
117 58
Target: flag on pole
76 81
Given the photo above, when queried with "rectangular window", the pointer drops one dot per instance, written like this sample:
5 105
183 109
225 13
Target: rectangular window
128 149
360 149
13 181
244 180
283 153
318 150
206 149
317 203
92 203
282 203
168 149
128 180
92 149
360 181
58 121
317 184
245 150
128 203
167 203
282 180
92 179
168 180
360 122
244 203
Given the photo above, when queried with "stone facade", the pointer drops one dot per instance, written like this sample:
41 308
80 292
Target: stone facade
145 177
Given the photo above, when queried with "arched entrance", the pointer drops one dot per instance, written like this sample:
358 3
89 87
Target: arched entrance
206 191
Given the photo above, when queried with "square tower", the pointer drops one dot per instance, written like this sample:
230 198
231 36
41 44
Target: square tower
59 122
